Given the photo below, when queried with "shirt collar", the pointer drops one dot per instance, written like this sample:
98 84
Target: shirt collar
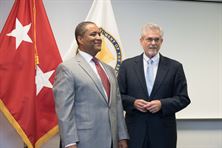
86 56
155 59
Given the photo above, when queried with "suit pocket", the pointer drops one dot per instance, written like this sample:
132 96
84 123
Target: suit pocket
82 112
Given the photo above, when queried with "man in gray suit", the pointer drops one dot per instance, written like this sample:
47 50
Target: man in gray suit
88 103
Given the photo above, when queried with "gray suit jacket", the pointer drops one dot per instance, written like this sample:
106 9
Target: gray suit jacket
84 115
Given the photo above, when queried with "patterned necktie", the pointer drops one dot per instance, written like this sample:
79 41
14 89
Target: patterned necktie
103 76
149 76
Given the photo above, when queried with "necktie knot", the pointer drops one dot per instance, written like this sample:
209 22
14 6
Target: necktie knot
95 60
150 62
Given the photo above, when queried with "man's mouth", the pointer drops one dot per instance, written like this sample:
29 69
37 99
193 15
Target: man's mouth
152 47
98 43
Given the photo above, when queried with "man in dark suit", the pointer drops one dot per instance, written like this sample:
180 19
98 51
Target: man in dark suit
87 97
153 89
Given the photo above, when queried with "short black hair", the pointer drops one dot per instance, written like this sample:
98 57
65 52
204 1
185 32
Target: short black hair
80 29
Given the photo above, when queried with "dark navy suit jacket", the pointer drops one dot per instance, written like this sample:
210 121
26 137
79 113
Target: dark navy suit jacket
157 130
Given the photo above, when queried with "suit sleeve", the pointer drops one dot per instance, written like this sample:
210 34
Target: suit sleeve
128 101
180 97
122 130
64 95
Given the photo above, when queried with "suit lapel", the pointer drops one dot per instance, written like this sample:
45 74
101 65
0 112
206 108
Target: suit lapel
161 74
139 71
89 71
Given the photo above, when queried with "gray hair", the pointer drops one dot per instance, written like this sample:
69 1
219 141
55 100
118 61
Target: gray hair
151 26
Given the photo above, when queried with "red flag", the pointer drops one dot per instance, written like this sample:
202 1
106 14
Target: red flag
28 58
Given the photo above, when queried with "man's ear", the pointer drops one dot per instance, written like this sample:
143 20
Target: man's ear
79 39
161 40
141 40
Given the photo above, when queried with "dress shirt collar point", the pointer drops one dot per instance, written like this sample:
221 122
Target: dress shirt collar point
86 56
155 59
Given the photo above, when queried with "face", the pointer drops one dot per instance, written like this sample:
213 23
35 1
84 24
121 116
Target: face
151 42
90 41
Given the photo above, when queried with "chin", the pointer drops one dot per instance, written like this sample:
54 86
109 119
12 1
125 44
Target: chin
151 54
98 49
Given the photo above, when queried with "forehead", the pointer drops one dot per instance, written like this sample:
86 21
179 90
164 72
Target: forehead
91 28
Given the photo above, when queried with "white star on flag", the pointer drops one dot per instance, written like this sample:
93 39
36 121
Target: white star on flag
20 33
42 79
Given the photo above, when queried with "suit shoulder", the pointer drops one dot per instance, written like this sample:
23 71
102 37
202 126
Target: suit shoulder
131 60
68 63
171 61
108 66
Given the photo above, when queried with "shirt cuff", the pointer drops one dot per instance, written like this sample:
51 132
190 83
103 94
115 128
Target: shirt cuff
70 144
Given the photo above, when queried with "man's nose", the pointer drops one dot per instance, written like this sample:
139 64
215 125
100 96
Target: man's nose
98 36
153 42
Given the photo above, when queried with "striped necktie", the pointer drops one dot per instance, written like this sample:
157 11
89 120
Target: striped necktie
103 76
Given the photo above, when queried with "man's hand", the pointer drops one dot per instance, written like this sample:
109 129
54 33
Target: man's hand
139 104
153 106
122 144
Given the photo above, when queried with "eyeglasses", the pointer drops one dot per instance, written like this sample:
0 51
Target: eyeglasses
153 39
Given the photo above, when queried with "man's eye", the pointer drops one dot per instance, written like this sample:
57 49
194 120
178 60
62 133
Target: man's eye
153 39
95 34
